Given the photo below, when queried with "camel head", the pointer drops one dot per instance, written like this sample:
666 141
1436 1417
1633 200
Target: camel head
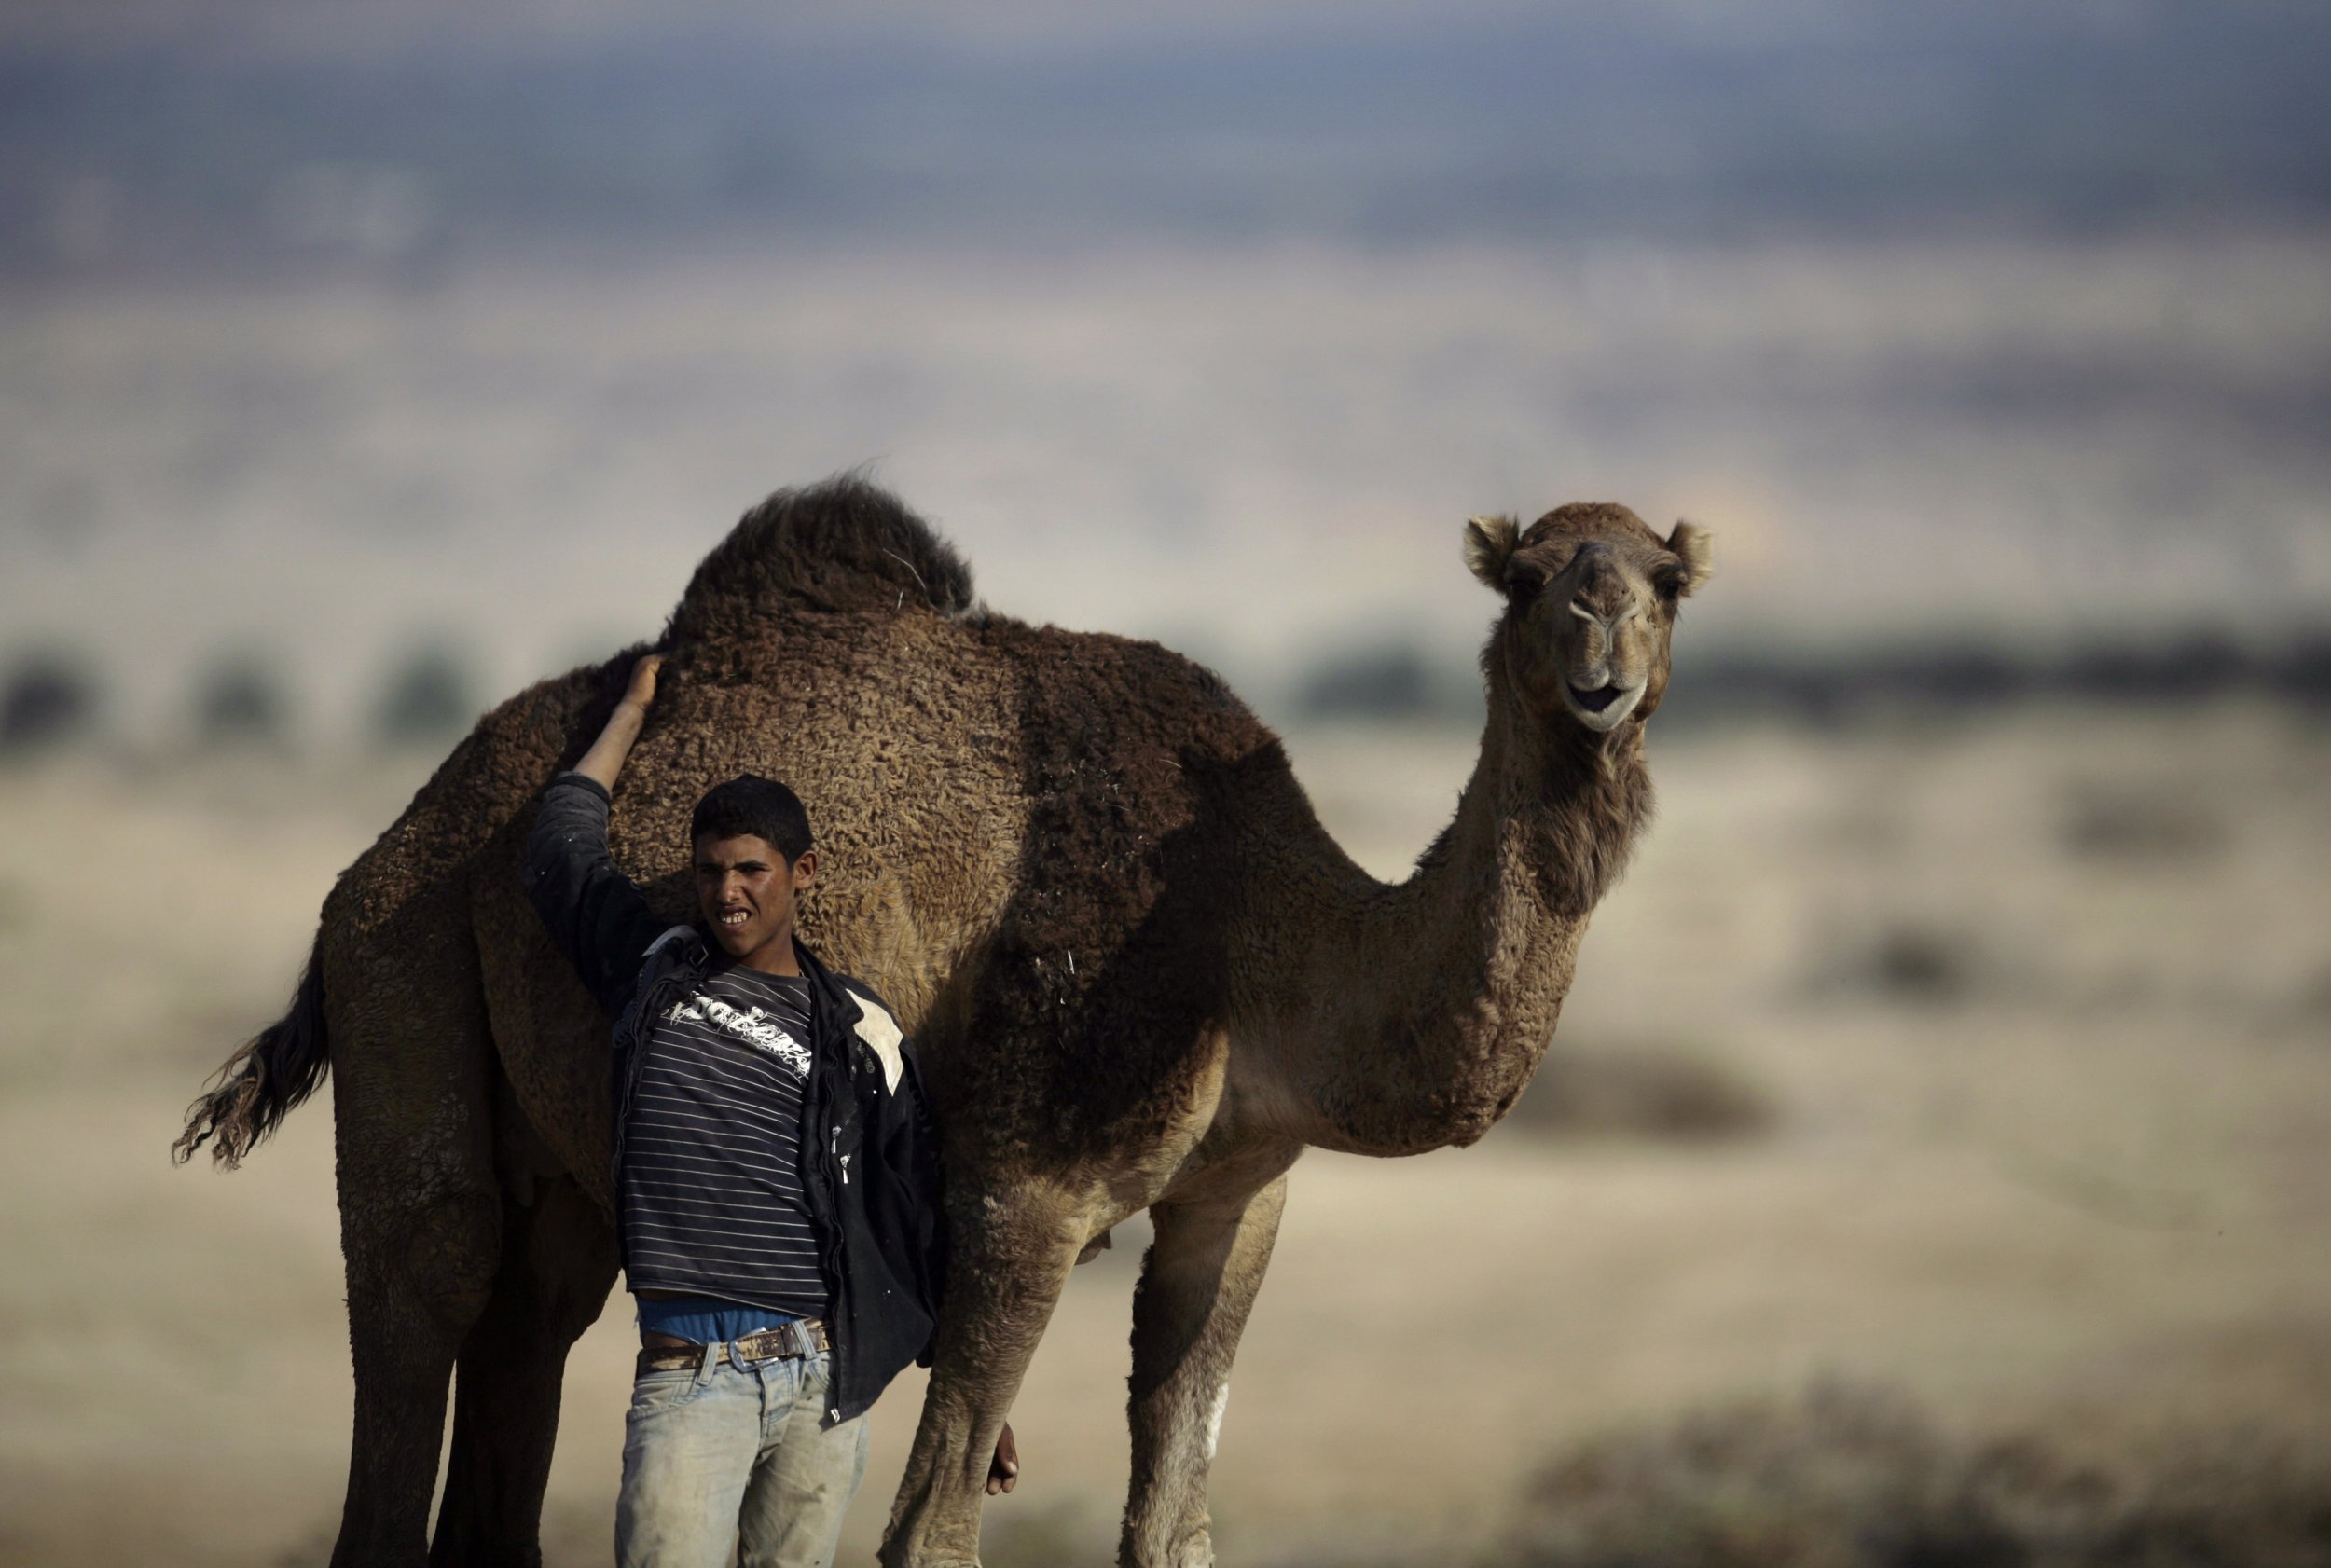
1591 599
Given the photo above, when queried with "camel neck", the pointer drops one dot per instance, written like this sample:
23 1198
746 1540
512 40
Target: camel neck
1454 979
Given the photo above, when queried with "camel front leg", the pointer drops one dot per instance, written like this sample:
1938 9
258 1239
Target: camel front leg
1198 1283
1012 1252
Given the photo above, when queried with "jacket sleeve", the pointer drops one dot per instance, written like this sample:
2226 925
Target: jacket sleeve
596 915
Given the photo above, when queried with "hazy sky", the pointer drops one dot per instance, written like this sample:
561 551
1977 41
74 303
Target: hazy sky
1019 24
176 135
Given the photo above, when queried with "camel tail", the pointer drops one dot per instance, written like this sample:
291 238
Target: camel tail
258 1085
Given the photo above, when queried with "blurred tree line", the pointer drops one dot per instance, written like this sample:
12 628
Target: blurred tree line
53 699
1399 682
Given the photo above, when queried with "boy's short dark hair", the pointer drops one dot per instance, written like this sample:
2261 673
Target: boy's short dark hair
750 804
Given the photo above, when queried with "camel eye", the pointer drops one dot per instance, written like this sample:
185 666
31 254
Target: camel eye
1669 585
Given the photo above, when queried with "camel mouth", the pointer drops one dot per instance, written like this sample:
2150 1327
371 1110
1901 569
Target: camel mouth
1600 708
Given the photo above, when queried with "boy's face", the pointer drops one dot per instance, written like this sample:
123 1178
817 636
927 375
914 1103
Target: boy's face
749 896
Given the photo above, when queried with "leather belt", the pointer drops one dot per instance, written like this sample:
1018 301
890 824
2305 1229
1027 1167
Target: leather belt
787 1340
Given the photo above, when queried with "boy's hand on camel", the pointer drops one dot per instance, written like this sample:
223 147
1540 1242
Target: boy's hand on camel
605 757
642 688
1004 1471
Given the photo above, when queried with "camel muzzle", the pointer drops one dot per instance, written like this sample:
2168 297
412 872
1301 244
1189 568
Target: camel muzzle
1600 708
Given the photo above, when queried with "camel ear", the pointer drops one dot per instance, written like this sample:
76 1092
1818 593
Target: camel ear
1694 547
1489 542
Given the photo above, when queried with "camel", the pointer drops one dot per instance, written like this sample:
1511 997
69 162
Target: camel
1140 973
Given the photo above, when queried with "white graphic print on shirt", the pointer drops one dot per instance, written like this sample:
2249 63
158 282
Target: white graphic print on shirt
753 1026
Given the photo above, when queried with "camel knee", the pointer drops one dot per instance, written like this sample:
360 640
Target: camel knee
452 1254
434 1262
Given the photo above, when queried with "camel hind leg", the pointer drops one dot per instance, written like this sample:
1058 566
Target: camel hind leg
1198 1283
558 1262
558 1254
421 1217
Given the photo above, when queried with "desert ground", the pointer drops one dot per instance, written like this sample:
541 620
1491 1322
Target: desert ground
1985 1061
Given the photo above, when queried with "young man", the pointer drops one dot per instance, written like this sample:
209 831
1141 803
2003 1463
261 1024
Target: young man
776 1177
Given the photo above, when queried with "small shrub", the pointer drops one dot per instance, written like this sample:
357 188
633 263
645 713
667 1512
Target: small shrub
241 702
48 700
1643 1090
1907 964
1380 683
430 698
2120 824
1853 1478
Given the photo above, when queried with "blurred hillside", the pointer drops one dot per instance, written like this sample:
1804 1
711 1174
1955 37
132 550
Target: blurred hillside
1262 457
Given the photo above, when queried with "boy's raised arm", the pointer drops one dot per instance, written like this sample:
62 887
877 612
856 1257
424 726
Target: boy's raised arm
595 914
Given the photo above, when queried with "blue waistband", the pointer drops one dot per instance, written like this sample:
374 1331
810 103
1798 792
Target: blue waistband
706 1320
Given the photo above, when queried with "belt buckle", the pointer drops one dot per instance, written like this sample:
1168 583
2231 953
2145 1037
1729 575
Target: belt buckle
784 1341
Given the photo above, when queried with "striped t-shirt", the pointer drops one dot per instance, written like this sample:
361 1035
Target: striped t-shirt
711 1187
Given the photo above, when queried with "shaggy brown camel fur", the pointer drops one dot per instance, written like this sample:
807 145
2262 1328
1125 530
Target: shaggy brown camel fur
1142 975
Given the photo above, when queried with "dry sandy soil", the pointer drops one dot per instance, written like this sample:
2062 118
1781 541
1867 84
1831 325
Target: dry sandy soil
2035 1011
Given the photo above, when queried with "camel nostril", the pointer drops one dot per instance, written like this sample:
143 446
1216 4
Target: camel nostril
1608 609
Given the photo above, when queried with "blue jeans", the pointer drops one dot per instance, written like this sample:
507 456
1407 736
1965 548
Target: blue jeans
720 1453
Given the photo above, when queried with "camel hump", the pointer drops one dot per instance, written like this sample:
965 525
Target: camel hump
844 544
